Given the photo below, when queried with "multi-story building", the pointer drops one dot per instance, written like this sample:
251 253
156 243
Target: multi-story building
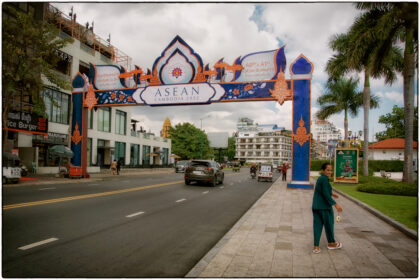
323 131
263 143
112 133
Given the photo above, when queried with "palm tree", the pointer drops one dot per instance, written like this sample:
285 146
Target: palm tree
342 95
354 54
397 22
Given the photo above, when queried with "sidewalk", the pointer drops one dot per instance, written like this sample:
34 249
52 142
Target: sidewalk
275 239
48 179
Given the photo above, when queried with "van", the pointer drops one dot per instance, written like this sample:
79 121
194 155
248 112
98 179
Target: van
11 168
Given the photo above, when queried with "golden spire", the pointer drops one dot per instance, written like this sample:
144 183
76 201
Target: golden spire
165 129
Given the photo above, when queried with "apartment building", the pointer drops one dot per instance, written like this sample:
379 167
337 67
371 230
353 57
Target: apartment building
262 143
112 131
323 131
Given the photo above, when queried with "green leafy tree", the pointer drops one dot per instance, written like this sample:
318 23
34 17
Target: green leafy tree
29 54
394 123
397 22
187 141
342 95
354 53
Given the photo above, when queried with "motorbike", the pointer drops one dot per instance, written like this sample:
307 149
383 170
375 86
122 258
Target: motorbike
253 174
24 170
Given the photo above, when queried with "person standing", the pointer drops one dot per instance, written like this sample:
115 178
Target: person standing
114 167
284 172
322 210
119 163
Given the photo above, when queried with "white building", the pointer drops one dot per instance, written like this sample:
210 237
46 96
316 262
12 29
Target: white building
323 131
390 149
262 143
112 134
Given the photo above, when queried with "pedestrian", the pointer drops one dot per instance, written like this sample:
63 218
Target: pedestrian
322 210
119 163
113 167
284 172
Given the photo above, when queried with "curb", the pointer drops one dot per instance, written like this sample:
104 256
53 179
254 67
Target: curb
407 231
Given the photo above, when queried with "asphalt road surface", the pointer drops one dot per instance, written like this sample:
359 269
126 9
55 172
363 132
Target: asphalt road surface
137 226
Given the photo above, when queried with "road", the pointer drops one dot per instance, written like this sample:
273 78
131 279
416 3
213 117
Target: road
131 226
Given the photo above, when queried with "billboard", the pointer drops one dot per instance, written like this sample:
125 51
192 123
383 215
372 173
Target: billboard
346 165
218 139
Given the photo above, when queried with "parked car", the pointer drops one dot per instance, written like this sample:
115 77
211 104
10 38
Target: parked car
265 172
11 168
207 171
180 165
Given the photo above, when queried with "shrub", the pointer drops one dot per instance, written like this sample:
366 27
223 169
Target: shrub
379 185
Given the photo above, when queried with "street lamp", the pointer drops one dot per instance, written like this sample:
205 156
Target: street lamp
201 138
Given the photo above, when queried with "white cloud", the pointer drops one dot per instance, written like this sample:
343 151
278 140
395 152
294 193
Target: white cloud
394 96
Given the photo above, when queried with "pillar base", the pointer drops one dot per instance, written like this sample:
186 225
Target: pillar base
300 185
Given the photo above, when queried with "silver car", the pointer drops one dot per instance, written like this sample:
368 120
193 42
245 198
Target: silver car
180 165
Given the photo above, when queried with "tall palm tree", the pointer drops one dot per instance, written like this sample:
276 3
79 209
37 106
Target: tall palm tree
354 54
397 22
342 95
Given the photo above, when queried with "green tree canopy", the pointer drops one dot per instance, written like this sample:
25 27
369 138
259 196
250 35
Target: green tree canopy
394 123
29 55
187 141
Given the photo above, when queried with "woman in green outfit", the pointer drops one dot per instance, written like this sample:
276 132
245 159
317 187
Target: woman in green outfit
322 210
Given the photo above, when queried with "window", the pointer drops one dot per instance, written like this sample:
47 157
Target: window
89 152
90 119
120 122
104 119
134 154
119 150
57 105
146 155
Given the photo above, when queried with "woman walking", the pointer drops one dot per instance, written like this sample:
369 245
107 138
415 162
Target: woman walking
322 210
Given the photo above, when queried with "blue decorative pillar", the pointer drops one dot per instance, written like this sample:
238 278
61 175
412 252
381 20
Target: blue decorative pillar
301 76
79 84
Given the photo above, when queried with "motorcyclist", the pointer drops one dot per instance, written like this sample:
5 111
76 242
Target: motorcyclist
253 169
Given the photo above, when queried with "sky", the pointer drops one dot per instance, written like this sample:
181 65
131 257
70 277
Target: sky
229 30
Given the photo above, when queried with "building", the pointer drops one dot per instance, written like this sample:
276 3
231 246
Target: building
262 143
390 149
323 131
112 133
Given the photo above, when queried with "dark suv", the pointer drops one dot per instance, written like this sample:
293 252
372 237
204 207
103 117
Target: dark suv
204 171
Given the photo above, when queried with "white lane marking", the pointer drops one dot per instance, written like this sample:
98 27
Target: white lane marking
180 200
206 192
222 187
26 247
93 184
47 189
231 184
134 214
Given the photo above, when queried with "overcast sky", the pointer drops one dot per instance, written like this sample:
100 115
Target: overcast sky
229 30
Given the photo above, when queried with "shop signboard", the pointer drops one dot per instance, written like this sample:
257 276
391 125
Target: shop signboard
346 165
27 122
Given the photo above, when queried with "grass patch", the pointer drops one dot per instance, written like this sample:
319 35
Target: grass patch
401 208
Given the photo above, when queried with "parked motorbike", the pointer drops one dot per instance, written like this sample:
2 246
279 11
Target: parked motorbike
23 170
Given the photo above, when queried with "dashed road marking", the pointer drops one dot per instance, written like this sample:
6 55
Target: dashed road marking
39 243
181 200
222 187
43 189
96 184
206 192
134 214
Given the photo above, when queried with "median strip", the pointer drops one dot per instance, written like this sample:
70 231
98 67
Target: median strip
56 200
